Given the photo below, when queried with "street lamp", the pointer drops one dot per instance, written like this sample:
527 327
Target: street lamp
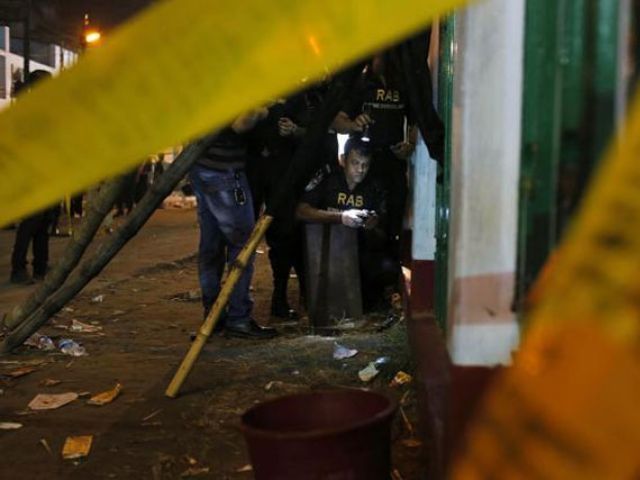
92 36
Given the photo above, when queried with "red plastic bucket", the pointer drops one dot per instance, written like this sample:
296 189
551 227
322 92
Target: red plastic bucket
328 435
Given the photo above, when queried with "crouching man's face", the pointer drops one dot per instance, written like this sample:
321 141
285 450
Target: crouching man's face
356 166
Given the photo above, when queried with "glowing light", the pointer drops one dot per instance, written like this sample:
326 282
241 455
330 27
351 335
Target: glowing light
92 36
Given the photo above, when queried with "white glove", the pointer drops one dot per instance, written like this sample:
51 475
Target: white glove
353 218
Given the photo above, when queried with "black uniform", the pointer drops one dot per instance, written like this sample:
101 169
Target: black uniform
377 269
386 104
271 156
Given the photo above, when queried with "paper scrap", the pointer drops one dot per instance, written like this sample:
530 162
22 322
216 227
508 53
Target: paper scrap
77 447
194 472
105 397
77 326
52 401
401 378
10 426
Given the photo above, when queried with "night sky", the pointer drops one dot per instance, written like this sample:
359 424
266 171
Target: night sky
105 14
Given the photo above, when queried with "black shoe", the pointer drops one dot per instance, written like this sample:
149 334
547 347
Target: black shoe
281 310
20 277
250 330
39 277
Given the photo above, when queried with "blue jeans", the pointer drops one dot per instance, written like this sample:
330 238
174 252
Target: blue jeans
225 226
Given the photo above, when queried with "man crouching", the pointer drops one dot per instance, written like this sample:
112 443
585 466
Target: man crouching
350 198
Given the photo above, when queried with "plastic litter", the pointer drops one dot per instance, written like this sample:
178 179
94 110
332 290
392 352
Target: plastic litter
371 371
246 468
77 447
340 352
97 299
41 342
69 347
368 373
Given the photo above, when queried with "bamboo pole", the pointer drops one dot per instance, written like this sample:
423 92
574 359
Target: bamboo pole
209 324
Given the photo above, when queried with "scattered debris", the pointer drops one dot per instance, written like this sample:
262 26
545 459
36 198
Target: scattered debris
69 347
77 326
68 310
118 312
49 382
20 372
391 319
395 475
401 378
396 302
151 415
371 371
151 424
44 401
46 446
411 442
295 372
77 447
194 472
190 460
97 299
41 342
10 426
368 373
273 384
340 352
105 397
246 468
407 423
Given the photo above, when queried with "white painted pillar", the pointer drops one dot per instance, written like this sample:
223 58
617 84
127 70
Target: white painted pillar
485 177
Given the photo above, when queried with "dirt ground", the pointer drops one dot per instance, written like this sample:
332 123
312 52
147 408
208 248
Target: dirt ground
148 309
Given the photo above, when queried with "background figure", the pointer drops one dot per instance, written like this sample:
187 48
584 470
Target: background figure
378 110
34 229
275 144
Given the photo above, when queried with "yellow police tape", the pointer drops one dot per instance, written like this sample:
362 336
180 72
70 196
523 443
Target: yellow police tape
568 409
178 71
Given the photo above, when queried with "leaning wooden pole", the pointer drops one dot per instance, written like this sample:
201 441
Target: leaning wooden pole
92 266
99 206
207 327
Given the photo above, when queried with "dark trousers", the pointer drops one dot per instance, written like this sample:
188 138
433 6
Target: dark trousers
378 271
391 172
34 230
285 252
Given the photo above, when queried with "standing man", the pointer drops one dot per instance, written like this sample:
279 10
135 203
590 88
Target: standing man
379 112
34 229
226 217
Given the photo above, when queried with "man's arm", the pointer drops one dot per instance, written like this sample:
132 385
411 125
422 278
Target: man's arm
246 122
344 125
349 218
307 213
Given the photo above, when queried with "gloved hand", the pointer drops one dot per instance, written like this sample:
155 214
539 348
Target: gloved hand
353 218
